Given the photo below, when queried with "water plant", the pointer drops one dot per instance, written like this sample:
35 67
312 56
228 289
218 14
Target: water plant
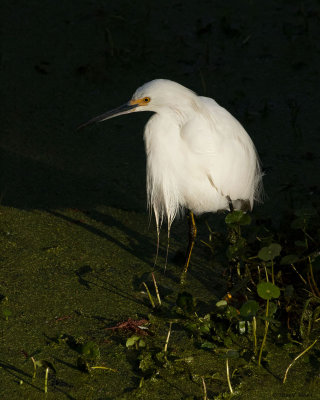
267 291
47 366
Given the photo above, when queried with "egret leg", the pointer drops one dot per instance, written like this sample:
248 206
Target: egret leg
230 204
192 238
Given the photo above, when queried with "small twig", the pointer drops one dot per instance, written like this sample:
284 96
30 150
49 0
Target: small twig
156 288
298 356
168 337
149 295
301 277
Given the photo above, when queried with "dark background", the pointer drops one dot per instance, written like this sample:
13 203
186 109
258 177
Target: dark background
65 62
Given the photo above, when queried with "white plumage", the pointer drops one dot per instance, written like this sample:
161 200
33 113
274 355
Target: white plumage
198 154
199 157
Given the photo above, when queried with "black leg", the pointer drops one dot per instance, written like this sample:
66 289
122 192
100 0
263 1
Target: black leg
230 203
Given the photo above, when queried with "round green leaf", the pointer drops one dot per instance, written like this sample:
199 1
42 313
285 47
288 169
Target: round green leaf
238 217
267 290
270 252
249 309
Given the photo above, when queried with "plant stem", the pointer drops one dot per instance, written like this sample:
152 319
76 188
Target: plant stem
298 356
149 295
156 288
228 376
238 269
168 337
46 380
265 334
34 367
266 272
254 331
272 271
205 397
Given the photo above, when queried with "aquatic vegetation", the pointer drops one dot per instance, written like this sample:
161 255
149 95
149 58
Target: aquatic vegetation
209 346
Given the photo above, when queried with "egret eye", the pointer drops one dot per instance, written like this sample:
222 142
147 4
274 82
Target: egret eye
146 99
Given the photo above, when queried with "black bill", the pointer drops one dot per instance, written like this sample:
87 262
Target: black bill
124 109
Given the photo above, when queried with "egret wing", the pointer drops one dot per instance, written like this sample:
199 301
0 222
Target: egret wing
224 151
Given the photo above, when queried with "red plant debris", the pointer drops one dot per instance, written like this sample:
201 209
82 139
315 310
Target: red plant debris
132 325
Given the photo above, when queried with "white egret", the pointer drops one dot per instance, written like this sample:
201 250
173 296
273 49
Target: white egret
199 157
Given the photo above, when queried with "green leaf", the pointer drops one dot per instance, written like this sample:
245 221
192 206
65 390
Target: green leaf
231 312
270 252
221 303
249 309
132 340
90 350
238 217
267 290
289 259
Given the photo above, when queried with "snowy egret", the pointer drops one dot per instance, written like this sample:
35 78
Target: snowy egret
199 157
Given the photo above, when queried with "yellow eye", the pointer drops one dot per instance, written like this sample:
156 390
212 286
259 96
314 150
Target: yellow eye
146 99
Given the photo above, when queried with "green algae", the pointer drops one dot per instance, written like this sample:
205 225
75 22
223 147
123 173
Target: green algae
65 286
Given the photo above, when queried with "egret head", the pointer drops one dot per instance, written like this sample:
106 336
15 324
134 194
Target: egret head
161 94
155 96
